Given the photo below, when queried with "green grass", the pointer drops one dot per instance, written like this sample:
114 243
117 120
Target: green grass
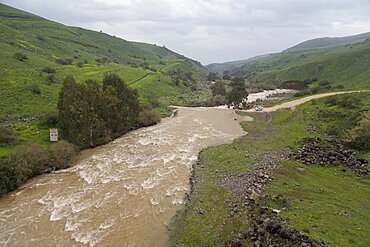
330 197
326 203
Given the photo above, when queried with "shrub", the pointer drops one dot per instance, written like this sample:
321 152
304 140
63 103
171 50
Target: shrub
20 56
50 79
6 135
345 101
34 88
10 176
148 117
359 136
219 100
61 154
64 61
48 70
31 159
80 64
49 118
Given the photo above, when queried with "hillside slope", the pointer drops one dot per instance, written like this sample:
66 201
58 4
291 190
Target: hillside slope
31 45
331 42
344 64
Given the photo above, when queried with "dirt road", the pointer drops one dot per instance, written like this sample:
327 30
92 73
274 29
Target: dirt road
295 103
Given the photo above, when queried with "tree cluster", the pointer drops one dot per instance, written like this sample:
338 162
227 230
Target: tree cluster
90 114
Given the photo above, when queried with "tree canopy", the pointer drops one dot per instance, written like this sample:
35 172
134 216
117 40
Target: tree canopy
90 114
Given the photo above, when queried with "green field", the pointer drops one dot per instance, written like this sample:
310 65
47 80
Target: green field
327 203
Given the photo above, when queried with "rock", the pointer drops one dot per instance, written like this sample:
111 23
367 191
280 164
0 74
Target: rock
276 211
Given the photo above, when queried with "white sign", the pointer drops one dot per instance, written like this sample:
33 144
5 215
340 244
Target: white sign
54 135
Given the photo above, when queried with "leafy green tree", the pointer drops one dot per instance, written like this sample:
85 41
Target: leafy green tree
213 76
91 115
129 100
238 92
218 88
226 75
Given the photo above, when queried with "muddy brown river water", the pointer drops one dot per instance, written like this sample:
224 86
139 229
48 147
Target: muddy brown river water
120 194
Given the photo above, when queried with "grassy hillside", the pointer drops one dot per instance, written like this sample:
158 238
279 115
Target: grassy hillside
221 67
36 55
344 65
331 42
327 203
92 54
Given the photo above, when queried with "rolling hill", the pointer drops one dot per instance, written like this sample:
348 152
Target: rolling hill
343 62
36 55
331 42
85 54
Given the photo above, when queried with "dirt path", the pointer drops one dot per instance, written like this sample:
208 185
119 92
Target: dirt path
295 103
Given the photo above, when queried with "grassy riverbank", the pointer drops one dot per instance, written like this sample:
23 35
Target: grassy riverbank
326 203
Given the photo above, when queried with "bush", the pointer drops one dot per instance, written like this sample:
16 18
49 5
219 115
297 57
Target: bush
64 61
80 64
50 79
345 101
34 88
148 118
6 135
49 118
359 136
20 56
61 154
48 70
10 176
219 100
31 158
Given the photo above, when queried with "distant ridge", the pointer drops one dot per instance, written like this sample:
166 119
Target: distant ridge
328 42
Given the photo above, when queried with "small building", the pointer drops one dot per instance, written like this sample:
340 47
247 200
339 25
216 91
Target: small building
54 135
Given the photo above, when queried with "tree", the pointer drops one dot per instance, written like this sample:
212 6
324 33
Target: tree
90 114
238 92
226 75
218 88
128 99
213 76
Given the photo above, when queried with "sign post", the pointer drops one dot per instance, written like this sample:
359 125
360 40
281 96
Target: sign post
54 135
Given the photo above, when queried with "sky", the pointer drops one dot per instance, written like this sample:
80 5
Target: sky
210 30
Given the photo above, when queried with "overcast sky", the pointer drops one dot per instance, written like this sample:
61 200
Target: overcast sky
210 30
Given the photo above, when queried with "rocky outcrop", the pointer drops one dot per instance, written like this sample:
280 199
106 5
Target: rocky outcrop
327 152
266 228
248 186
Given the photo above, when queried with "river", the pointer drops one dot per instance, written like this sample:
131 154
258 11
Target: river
120 194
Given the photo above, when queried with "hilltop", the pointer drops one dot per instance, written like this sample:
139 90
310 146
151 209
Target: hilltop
340 62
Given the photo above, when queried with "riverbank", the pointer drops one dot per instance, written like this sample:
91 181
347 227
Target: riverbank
297 203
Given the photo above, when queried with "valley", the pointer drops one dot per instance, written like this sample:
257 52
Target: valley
156 149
